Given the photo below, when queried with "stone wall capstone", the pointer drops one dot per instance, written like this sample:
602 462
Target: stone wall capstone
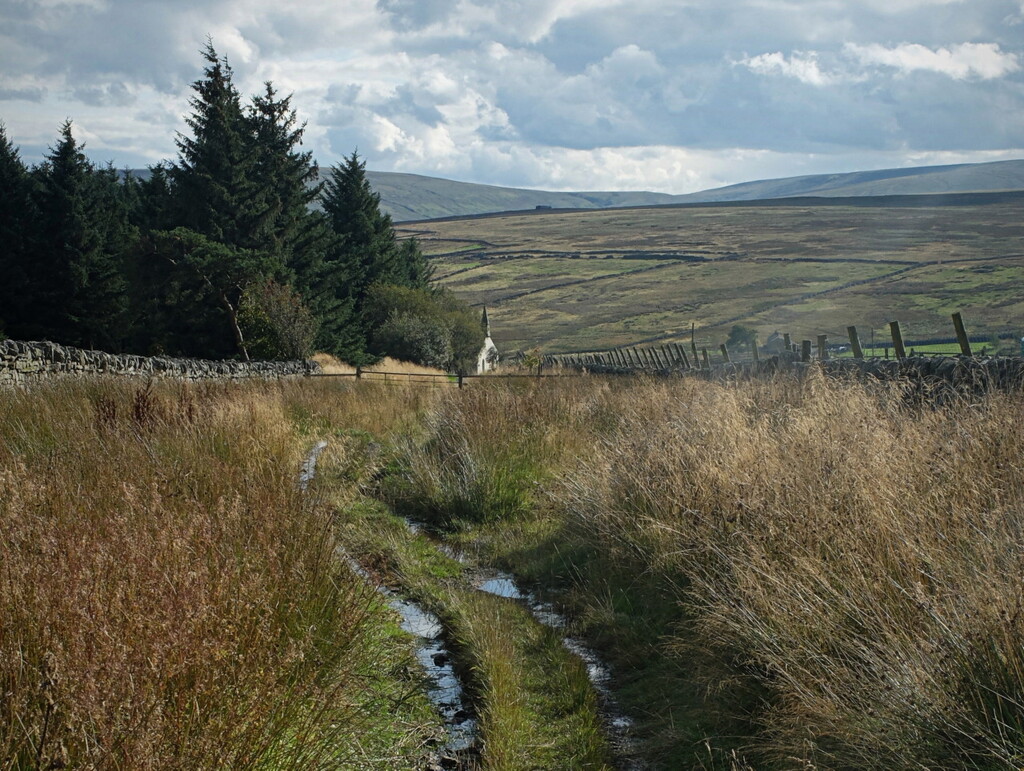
22 363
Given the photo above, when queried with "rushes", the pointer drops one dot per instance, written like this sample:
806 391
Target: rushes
168 598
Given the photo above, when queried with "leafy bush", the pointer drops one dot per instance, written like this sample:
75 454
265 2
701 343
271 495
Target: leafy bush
276 323
426 327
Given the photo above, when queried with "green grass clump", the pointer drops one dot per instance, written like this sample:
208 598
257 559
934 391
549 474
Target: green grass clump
464 477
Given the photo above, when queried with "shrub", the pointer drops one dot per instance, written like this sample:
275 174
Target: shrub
431 328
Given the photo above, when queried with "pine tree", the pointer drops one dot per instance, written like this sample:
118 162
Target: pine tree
155 204
17 213
76 283
417 272
366 237
286 178
215 185
225 209
365 250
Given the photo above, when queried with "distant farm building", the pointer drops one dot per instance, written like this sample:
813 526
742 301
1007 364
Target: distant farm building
775 343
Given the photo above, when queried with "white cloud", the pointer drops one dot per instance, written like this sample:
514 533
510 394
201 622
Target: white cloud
802 65
550 93
981 61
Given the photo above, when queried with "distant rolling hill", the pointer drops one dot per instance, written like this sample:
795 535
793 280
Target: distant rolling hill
960 178
413 197
409 197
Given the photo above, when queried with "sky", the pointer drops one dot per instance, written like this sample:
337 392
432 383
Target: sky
671 96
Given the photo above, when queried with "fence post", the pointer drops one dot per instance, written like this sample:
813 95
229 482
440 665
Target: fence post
787 341
725 353
858 352
693 343
460 381
707 359
682 354
897 340
359 373
822 347
961 334
805 350
755 351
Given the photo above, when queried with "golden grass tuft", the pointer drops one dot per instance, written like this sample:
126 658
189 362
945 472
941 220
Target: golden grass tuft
331 365
169 598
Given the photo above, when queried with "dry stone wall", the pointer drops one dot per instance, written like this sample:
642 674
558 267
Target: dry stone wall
962 374
22 363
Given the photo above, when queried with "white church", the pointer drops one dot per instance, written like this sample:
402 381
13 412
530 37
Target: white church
487 359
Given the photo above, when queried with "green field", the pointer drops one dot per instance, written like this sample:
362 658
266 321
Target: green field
586 280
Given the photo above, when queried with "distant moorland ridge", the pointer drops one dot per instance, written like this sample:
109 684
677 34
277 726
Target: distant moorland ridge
411 197
408 197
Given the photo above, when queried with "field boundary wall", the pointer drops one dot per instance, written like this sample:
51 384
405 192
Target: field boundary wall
972 373
22 363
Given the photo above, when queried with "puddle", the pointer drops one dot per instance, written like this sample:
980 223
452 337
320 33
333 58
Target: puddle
308 470
444 690
618 725
501 587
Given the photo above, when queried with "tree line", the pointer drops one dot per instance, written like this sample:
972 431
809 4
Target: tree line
236 249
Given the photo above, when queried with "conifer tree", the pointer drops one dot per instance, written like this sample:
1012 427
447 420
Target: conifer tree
76 282
365 250
215 186
155 204
224 211
285 177
17 213
366 244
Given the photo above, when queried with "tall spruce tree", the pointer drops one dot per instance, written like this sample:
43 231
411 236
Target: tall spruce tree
286 178
224 207
76 282
17 213
215 186
366 242
365 250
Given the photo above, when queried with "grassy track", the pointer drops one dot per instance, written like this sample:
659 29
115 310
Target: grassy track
786 573
535 706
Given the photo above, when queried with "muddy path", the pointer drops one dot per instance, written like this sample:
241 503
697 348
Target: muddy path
512 687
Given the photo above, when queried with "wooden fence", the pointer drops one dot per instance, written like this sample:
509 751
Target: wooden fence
675 357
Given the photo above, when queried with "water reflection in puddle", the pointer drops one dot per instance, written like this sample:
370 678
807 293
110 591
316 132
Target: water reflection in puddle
444 688
617 723
308 470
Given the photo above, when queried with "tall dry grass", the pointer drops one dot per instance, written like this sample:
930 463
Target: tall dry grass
848 568
168 596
